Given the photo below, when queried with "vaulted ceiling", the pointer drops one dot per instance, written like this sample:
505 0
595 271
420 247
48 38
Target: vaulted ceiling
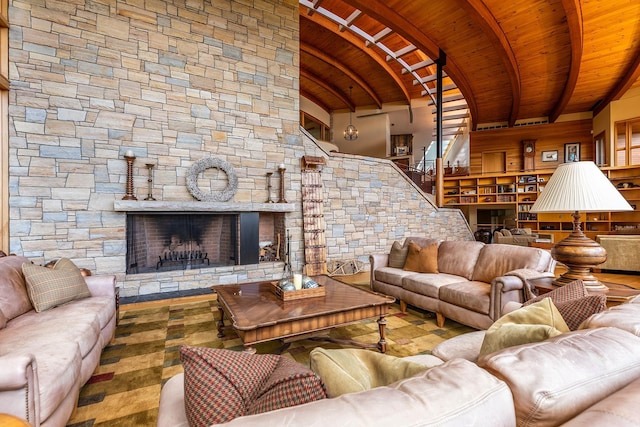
510 60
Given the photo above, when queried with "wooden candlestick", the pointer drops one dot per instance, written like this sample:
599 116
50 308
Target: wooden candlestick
269 174
129 194
150 182
282 170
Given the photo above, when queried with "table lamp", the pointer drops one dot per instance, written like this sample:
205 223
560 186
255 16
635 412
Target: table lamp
579 187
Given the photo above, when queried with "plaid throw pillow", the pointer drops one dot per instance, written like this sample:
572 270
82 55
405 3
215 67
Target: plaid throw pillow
574 303
221 385
51 287
290 384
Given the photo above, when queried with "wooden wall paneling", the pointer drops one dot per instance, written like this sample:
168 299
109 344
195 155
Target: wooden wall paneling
548 137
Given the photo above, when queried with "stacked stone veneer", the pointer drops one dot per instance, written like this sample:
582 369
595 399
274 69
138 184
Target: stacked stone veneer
176 81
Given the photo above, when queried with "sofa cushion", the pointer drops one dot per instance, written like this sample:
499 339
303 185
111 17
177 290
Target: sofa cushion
422 259
428 284
398 254
623 316
54 325
392 276
421 241
50 287
466 346
620 410
550 387
458 257
495 260
353 370
14 299
533 323
221 384
574 303
471 295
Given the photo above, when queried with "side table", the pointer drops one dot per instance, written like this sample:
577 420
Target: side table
616 294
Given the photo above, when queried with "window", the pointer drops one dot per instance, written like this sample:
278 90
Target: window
627 142
315 127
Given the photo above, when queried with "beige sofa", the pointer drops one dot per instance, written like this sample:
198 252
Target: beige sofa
46 357
520 237
586 377
474 280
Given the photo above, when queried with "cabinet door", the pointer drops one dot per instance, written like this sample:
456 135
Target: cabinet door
494 162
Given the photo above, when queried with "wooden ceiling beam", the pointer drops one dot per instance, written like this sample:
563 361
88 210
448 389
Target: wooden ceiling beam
573 12
401 25
624 84
498 38
357 42
329 88
328 59
311 97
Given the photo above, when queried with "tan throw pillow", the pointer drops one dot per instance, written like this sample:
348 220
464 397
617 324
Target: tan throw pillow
398 254
533 323
352 370
422 260
50 287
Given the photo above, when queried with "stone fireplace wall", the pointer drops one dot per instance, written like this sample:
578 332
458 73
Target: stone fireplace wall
176 81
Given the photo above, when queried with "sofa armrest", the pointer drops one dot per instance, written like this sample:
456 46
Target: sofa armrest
102 285
376 261
511 288
19 386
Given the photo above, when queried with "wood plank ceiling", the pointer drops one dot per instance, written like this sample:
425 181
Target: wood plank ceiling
512 61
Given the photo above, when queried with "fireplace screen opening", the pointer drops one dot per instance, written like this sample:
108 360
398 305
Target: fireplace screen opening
168 241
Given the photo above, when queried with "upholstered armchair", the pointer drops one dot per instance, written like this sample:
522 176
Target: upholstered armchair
519 236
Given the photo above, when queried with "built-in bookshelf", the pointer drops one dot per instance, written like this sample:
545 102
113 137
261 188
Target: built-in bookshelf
518 191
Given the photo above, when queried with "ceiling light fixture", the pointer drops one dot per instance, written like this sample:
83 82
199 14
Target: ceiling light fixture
350 133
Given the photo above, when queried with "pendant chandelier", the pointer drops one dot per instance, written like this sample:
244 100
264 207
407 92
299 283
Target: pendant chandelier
350 133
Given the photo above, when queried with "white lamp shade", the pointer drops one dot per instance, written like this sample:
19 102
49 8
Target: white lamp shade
579 186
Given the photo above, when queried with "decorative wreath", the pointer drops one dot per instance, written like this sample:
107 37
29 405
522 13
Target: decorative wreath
214 196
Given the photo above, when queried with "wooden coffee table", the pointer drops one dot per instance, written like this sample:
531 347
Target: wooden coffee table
258 315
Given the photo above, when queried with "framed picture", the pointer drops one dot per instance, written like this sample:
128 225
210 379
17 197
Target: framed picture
550 156
572 152
530 188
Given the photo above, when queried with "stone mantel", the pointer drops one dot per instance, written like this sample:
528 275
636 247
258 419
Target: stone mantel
196 206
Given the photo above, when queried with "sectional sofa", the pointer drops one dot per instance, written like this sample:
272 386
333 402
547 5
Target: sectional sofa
590 376
473 282
46 356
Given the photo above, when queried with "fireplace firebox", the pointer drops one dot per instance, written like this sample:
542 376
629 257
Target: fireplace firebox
179 241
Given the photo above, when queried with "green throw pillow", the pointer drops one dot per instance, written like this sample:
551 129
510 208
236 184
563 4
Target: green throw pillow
351 370
533 323
50 287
